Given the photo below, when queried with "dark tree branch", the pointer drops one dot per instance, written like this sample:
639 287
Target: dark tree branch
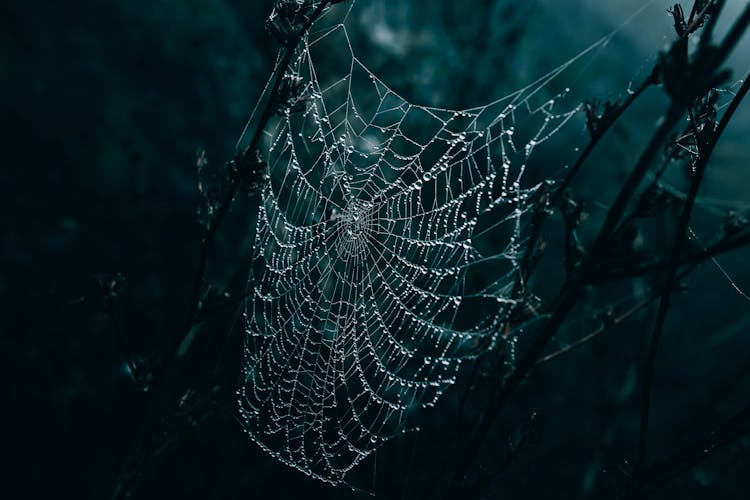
604 327
682 227
659 474
566 301
131 469
723 246
254 129
567 298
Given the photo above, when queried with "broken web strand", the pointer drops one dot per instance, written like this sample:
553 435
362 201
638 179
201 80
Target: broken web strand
732 283
386 250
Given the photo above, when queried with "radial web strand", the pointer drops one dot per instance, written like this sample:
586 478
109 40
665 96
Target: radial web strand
386 252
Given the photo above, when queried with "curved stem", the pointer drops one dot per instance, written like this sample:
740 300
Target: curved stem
664 304
723 246
130 471
565 302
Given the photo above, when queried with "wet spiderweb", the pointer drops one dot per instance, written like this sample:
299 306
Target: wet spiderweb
386 252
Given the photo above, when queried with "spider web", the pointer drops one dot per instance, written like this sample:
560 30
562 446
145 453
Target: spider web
386 253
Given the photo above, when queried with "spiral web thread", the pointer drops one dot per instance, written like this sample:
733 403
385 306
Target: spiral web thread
386 252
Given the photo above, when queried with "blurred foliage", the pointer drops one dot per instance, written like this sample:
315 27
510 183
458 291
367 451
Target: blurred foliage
109 106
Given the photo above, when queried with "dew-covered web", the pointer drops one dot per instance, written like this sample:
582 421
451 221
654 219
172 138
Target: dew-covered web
386 253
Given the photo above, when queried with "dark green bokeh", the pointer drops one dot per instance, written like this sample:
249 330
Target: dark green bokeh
104 108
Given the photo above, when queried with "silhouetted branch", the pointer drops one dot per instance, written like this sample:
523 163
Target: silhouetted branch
657 475
723 246
244 161
243 167
673 69
679 239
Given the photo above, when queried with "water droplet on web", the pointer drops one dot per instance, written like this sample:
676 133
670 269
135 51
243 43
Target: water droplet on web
375 286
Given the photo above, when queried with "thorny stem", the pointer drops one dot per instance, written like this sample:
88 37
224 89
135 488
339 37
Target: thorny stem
664 304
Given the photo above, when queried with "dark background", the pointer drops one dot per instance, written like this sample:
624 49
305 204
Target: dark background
105 106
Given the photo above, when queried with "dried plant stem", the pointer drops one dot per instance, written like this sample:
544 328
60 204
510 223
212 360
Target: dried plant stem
617 113
146 443
723 246
568 296
657 475
536 225
643 304
254 129
565 302
679 240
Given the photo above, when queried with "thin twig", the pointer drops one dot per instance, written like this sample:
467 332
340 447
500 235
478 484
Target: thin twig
567 299
716 7
255 127
599 330
569 294
617 112
679 240
125 481
695 22
660 473
643 304
723 246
